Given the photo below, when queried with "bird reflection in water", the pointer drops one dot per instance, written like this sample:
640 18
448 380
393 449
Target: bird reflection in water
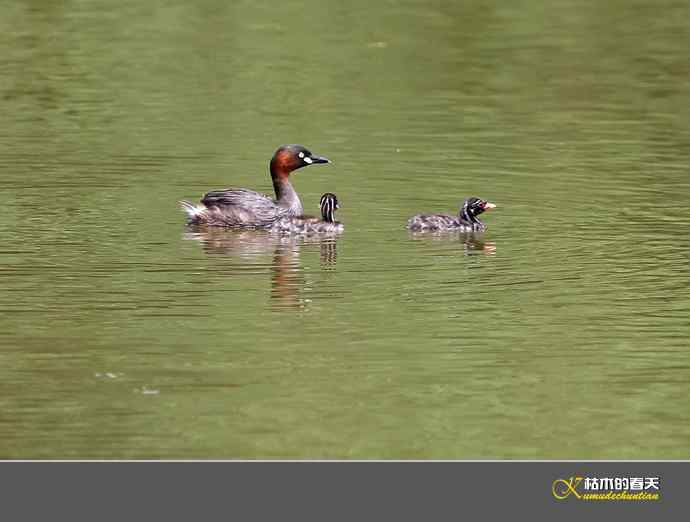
253 247
328 253
472 244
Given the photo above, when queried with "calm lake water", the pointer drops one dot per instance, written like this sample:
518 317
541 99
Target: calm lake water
561 333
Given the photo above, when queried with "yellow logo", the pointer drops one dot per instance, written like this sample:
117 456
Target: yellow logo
607 488
562 489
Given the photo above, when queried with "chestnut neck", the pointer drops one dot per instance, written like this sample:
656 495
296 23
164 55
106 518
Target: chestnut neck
285 195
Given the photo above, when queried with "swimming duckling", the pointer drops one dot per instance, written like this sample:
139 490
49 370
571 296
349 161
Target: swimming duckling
465 221
313 225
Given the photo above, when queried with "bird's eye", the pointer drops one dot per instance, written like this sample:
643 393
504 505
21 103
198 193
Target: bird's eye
301 154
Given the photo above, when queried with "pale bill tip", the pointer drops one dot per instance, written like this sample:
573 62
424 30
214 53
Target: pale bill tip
489 206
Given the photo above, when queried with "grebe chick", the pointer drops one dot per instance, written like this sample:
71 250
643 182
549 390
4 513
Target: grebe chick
245 208
312 225
466 221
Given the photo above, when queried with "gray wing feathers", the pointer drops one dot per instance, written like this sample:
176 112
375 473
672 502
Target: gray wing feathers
238 207
432 222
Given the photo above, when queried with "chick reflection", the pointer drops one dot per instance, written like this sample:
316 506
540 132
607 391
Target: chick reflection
288 278
472 244
329 253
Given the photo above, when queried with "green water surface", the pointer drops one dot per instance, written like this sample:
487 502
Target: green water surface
562 333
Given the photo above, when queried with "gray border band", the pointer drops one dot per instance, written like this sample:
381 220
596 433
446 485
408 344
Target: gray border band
325 491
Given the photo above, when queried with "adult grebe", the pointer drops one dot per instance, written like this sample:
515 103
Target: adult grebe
246 208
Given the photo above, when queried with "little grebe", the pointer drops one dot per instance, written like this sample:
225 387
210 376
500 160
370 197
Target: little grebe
466 221
312 225
245 208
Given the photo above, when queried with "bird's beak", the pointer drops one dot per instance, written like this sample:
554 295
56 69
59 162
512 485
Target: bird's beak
316 159
489 206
